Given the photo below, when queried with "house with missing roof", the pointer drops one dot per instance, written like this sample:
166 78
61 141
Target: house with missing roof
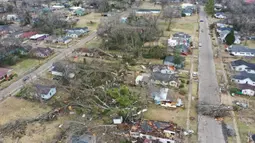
164 79
84 52
165 132
45 91
241 65
169 61
41 52
242 51
142 79
247 89
5 73
244 78
63 68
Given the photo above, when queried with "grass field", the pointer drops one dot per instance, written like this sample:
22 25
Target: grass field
149 5
91 17
13 109
177 115
25 65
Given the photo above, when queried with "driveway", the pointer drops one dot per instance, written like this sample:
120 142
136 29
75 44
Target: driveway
17 85
209 130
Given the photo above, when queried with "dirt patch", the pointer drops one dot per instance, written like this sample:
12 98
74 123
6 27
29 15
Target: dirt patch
14 108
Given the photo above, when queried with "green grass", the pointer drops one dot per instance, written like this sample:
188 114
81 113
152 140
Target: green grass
85 21
245 129
25 65
95 43
178 115
194 89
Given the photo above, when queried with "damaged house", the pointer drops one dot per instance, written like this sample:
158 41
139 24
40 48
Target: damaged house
165 132
164 79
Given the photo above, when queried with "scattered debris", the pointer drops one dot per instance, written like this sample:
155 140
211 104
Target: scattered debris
241 104
188 132
214 110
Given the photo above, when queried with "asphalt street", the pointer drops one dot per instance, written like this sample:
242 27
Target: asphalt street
209 130
17 85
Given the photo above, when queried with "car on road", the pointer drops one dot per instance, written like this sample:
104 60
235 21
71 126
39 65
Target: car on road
25 78
200 44
201 20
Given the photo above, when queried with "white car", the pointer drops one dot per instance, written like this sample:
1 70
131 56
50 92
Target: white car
200 45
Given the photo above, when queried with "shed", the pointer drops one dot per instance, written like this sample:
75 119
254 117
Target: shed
118 120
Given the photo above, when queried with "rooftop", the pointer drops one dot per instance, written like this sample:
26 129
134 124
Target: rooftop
43 89
240 48
244 75
242 62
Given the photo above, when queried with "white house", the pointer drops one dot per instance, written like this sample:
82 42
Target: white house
45 92
244 78
174 41
239 50
247 89
241 65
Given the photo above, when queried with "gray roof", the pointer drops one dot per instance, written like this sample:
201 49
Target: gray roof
246 86
163 77
181 35
244 75
43 89
242 62
240 48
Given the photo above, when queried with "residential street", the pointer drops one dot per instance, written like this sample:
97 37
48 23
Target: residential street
209 130
16 86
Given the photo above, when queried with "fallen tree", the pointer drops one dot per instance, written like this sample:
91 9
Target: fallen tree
214 110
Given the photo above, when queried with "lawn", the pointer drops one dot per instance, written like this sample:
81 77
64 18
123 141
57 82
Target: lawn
149 5
14 109
95 43
178 115
25 65
87 19
195 89
250 43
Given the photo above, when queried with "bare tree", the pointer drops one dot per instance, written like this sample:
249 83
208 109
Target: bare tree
169 13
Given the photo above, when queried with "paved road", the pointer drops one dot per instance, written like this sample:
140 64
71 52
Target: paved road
209 130
16 86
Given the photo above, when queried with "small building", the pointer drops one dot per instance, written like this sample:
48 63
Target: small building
5 73
164 79
64 40
118 120
247 89
241 65
75 34
239 50
169 61
39 36
45 92
41 52
86 138
244 78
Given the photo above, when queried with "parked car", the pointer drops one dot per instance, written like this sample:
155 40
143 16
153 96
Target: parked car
251 38
201 20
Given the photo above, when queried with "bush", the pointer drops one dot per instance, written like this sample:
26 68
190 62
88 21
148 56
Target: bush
182 85
187 81
183 91
211 26
183 15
